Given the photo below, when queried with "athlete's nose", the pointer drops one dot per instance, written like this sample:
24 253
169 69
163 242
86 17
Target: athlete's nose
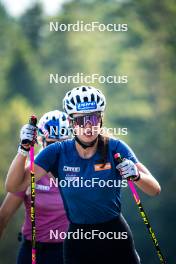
88 124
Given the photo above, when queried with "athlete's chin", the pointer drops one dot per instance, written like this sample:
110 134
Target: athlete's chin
88 138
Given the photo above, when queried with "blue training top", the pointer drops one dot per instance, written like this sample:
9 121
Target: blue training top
91 194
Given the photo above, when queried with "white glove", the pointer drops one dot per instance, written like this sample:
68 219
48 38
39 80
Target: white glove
28 135
128 170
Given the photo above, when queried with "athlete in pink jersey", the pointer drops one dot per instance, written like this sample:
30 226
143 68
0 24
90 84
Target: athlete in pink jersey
51 220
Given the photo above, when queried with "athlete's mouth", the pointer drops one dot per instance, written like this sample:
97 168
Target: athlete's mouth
88 134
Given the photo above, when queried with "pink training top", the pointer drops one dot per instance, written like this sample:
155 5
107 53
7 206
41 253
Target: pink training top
50 217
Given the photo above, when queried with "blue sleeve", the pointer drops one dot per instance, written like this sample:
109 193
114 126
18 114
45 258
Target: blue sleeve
48 158
125 151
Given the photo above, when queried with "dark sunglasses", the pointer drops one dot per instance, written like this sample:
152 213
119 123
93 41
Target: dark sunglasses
92 119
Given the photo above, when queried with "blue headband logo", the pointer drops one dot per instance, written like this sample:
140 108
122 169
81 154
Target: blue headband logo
86 106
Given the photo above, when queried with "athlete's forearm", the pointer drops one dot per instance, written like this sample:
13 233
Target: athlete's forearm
147 182
16 177
3 224
8 208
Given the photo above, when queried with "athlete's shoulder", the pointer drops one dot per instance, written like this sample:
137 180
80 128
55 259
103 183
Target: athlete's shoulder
117 141
113 142
118 145
66 144
58 146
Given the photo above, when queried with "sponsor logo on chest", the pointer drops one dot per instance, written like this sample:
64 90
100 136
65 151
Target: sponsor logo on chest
71 169
100 167
42 187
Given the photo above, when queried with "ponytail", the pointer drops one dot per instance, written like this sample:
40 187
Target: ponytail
103 149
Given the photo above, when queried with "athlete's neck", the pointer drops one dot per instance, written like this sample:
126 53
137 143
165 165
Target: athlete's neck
86 153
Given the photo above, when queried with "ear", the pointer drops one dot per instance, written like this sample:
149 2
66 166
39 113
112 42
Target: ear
72 123
70 120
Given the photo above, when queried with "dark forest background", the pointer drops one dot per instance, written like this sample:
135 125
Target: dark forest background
145 105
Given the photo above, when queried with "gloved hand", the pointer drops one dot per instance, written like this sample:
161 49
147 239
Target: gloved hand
128 170
28 137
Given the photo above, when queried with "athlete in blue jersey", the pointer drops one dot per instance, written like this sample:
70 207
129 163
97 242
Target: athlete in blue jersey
90 182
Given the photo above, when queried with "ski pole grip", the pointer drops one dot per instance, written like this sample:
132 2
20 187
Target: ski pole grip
33 120
118 158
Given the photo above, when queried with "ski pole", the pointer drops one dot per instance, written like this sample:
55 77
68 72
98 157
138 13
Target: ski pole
33 121
143 214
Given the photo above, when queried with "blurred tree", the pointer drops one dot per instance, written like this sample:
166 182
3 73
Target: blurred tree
145 104
20 79
31 24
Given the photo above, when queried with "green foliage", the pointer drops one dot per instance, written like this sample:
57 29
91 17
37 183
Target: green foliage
145 105
31 24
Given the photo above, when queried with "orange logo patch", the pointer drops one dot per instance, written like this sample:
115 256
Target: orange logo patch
100 167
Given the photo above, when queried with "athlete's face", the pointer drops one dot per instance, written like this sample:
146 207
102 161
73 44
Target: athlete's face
87 126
